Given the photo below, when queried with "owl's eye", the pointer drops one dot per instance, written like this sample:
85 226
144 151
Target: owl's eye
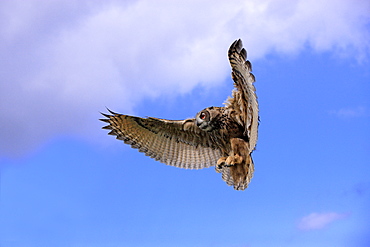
202 116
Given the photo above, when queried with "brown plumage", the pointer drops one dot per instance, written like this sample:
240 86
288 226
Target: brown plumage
221 136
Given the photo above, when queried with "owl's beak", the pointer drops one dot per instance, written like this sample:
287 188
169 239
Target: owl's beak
204 126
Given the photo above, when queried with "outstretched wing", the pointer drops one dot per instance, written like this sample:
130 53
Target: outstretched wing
177 143
244 99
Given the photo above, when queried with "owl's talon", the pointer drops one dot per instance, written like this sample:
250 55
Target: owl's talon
233 160
229 161
221 162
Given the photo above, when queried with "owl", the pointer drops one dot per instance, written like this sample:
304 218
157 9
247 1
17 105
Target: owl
224 137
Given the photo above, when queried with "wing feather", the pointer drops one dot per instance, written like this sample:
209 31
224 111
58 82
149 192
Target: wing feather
244 99
177 143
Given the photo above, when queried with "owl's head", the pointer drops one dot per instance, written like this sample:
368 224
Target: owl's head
207 119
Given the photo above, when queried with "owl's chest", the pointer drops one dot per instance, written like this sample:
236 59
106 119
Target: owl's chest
229 123
230 127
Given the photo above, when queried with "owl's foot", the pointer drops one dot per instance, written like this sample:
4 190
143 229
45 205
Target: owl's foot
220 163
229 161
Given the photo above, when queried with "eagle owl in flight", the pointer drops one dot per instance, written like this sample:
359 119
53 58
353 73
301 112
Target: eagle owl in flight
221 136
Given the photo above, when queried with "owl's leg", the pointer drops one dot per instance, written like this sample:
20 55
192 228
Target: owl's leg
237 168
228 161
220 163
234 159
239 148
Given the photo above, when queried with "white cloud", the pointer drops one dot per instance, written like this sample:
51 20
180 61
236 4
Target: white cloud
65 60
315 221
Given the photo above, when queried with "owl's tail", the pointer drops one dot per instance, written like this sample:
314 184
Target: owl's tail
239 175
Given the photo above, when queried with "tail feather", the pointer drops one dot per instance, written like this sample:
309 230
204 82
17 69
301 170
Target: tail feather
239 175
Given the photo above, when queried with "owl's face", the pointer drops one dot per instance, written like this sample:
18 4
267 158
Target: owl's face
207 119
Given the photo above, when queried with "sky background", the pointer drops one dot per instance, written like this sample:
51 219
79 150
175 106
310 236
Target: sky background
65 182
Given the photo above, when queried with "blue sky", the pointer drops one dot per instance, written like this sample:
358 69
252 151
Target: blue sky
65 182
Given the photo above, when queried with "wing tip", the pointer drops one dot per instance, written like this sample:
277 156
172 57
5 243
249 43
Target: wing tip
108 116
108 119
237 44
111 112
237 47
